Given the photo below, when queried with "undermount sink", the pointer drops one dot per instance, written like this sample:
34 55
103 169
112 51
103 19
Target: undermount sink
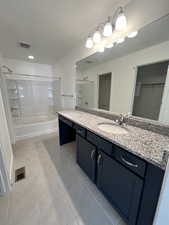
112 128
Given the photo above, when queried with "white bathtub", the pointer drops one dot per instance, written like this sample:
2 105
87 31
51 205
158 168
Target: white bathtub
28 127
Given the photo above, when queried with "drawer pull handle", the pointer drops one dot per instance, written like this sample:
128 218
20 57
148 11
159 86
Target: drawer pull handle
93 154
128 163
99 159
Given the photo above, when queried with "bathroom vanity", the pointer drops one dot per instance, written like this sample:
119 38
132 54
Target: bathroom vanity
127 168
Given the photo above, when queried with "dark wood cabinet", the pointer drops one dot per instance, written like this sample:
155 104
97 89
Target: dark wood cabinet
80 130
122 187
130 183
66 132
86 157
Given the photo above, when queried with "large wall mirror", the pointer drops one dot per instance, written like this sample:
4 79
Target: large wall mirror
131 77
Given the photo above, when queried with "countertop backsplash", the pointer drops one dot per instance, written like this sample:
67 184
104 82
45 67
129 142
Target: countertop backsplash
146 124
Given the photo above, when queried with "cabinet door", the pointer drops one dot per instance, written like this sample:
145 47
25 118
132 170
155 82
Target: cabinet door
86 157
121 187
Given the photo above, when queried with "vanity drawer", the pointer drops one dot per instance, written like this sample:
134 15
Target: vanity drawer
68 122
101 143
80 130
129 160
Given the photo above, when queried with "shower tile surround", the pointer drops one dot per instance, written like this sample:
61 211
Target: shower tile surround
150 144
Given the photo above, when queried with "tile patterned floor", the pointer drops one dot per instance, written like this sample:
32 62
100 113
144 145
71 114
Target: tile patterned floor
55 191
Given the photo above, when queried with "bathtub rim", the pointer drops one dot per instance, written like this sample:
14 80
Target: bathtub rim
34 123
45 127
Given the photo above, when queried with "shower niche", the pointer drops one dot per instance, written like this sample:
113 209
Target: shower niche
14 98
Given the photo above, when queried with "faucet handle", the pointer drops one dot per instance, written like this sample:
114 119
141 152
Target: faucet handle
121 115
127 115
123 118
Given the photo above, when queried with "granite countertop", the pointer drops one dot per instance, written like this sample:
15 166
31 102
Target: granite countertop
148 145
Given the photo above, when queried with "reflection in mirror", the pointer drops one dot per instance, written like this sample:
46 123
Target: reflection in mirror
85 93
130 77
104 91
149 90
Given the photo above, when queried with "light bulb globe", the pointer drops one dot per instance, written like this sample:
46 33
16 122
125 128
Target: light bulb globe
108 31
97 37
133 34
121 22
89 43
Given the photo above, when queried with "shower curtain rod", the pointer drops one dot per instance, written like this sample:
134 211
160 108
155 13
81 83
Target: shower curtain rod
30 75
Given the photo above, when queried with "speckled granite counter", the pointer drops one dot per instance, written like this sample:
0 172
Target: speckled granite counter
150 146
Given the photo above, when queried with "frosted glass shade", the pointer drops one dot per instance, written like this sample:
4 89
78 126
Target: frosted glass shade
97 37
121 22
89 43
108 31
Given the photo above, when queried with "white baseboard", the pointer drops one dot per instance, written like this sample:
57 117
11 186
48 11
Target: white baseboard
36 134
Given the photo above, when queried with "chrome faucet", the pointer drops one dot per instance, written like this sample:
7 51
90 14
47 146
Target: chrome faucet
123 119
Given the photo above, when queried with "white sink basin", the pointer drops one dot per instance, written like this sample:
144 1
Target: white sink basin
112 128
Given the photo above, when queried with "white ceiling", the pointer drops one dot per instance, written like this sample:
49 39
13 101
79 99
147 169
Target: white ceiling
52 27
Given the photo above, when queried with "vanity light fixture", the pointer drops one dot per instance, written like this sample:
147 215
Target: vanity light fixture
89 42
133 34
97 36
31 57
116 22
108 29
121 40
121 21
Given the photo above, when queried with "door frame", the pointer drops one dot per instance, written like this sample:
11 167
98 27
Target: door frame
98 75
6 174
134 89
164 97
5 182
135 68
4 93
